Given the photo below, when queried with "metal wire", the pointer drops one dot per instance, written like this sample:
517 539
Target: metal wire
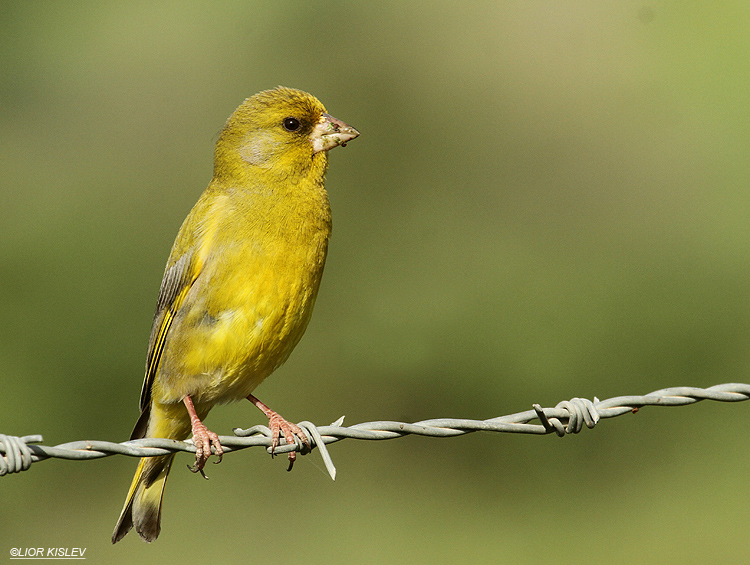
569 416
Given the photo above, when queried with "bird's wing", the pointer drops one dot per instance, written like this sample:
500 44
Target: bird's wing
177 281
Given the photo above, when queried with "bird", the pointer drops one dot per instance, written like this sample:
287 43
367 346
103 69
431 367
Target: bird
239 286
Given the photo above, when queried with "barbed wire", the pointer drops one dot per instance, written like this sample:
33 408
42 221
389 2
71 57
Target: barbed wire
568 416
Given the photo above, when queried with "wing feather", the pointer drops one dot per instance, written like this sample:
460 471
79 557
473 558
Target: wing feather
177 281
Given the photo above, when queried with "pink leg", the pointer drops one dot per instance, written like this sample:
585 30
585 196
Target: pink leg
279 425
203 439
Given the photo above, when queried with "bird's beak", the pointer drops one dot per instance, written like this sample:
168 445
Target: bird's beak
330 132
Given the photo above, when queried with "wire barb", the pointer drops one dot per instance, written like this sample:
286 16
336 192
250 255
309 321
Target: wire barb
567 417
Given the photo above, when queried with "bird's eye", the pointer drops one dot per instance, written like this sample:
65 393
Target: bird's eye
291 124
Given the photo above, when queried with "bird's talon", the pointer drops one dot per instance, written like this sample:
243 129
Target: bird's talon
203 439
278 425
196 469
290 431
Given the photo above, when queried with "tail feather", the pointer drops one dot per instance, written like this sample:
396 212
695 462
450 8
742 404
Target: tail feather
143 504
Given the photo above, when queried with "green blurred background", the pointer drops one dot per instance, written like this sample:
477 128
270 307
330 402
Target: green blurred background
548 200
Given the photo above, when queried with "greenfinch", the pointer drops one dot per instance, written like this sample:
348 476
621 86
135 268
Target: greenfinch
239 286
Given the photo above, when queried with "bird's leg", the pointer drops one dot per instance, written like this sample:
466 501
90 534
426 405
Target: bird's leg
203 439
279 425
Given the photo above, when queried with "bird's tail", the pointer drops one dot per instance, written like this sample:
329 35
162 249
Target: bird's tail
143 504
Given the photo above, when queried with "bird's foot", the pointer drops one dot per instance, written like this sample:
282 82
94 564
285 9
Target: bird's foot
203 440
279 425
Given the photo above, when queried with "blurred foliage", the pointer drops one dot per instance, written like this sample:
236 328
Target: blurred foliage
547 200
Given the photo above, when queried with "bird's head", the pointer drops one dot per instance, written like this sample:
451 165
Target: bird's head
281 131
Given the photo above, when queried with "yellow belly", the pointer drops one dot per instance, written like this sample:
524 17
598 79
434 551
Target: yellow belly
222 345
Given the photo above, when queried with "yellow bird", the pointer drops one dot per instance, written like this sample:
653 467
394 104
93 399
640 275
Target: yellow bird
240 284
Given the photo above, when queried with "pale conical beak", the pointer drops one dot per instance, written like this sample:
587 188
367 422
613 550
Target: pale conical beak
330 132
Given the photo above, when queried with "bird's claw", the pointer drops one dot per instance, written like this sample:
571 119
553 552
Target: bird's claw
279 425
204 439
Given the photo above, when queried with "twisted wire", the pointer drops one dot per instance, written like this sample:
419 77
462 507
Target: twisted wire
569 416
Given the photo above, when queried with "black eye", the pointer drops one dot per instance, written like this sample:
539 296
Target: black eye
291 124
